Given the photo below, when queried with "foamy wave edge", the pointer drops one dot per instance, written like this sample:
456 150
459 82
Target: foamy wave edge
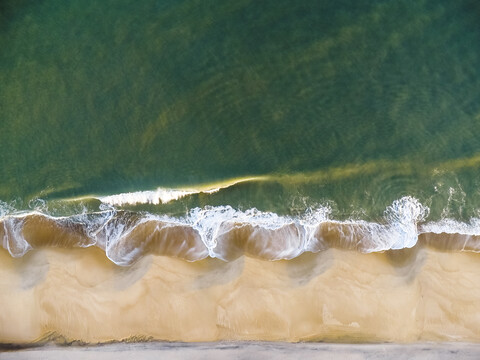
166 195
225 233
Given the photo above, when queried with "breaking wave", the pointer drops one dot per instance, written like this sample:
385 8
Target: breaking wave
166 195
226 233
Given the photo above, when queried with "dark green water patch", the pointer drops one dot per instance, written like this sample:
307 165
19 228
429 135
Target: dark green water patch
115 96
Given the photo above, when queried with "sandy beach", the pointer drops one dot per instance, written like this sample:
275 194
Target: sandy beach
413 295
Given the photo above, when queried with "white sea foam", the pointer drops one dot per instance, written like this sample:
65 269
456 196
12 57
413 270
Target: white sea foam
6 209
403 216
159 196
310 221
13 239
213 223
451 226
166 195
224 232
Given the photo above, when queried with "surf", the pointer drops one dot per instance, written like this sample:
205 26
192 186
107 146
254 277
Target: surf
226 233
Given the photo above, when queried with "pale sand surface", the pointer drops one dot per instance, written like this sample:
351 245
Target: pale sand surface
415 295
250 350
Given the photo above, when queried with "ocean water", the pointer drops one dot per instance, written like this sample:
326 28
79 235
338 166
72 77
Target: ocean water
211 131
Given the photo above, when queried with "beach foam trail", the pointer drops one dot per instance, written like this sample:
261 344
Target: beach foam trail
227 234
219 232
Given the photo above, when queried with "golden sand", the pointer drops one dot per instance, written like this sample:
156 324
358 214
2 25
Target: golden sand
418 294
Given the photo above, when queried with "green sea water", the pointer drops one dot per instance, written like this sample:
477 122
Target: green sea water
350 104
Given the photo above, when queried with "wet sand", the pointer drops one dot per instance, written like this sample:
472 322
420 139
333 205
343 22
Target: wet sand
249 350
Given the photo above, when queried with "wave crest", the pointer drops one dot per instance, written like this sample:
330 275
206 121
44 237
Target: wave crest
225 233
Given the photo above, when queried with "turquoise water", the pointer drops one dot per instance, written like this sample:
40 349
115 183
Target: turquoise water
345 105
